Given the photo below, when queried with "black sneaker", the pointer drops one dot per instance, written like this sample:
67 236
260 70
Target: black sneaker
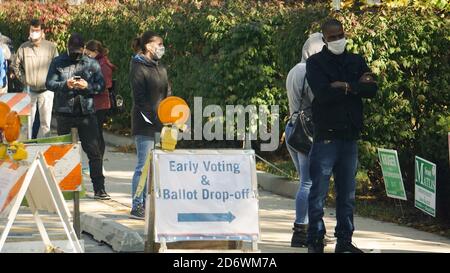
299 236
347 247
315 248
138 213
101 195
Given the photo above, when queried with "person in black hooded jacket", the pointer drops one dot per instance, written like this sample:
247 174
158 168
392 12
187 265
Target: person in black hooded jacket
149 83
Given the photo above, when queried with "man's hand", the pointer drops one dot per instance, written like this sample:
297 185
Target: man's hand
340 85
367 78
81 84
71 83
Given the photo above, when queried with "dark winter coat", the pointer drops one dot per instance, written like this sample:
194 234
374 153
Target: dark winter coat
66 100
149 83
337 115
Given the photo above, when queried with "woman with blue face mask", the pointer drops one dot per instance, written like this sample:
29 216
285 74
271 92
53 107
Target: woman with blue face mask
149 83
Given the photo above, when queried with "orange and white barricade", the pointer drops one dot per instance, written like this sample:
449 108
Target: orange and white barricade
65 161
34 182
11 179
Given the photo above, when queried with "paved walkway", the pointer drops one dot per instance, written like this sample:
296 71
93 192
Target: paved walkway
276 217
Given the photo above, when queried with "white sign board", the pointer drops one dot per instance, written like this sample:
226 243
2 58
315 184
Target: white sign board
205 195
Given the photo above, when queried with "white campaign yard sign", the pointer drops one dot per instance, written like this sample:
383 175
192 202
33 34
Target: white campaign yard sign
205 195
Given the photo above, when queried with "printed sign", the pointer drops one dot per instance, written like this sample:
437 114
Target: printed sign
425 186
205 195
392 174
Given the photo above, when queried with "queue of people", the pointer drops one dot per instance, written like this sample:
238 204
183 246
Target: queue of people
75 87
78 81
336 81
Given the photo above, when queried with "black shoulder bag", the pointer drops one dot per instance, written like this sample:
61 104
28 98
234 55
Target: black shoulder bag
301 137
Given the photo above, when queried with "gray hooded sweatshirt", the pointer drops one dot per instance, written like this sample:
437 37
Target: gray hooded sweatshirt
296 76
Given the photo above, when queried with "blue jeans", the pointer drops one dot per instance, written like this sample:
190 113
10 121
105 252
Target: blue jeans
301 163
143 146
340 158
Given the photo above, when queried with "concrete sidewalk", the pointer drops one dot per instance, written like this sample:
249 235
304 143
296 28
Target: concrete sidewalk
108 221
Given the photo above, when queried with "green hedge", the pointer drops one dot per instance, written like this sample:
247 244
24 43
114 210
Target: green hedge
239 52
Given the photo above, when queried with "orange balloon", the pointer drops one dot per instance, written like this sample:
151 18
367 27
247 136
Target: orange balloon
12 128
173 110
4 110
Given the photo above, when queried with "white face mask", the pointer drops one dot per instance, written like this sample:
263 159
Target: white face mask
35 35
337 47
159 52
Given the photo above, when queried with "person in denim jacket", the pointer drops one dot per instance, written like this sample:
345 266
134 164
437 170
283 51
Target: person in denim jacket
75 79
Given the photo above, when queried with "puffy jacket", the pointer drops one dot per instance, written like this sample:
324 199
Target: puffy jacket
149 82
335 114
63 68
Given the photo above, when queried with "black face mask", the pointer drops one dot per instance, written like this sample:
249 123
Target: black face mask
74 56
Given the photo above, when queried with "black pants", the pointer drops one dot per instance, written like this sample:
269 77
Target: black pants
101 119
89 137
36 124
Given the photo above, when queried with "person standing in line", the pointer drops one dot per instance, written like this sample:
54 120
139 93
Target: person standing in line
149 83
339 81
102 103
296 83
5 56
30 66
75 79
14 85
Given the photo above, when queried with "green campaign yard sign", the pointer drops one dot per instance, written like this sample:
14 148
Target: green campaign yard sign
392 175
425 186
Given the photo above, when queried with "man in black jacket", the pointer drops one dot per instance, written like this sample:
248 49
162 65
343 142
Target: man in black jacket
339 80
75 78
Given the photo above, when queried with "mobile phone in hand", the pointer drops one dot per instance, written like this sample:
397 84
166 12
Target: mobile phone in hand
77 78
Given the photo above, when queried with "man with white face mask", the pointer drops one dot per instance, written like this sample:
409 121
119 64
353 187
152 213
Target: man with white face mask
30 66
339 80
